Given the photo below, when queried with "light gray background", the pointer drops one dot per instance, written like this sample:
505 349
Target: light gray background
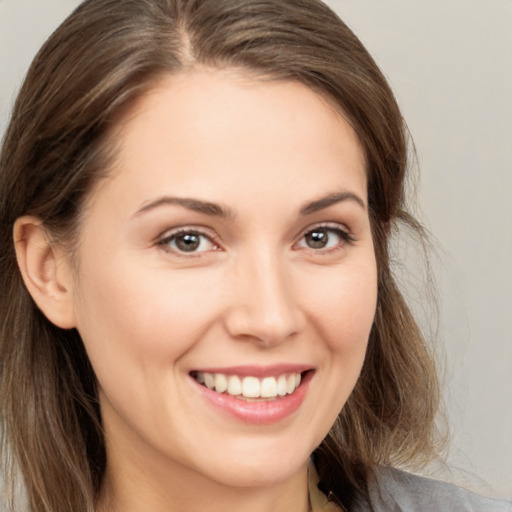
450 64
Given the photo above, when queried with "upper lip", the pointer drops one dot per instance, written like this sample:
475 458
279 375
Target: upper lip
256 370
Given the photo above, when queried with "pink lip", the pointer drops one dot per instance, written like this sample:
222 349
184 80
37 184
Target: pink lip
260 413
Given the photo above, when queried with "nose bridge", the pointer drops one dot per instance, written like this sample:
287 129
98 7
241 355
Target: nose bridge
264 306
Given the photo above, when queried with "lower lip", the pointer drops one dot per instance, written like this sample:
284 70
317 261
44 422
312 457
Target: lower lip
259 413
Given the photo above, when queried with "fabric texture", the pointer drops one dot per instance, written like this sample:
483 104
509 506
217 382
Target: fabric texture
399 491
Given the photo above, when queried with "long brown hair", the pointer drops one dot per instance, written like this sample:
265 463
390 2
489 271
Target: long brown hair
59 144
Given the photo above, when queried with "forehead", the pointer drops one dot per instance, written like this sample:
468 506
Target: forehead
211 131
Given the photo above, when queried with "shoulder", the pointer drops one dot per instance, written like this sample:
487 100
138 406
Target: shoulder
397 491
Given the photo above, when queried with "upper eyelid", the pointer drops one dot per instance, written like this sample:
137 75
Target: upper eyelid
200 230
169 234
335 226
215 239
346 235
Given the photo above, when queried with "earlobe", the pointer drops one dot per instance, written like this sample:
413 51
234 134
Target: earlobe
45 271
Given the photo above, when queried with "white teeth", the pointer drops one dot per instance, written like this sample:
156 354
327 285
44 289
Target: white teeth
209 380
250 387
234 385
268 387
221 383
290 384
281 385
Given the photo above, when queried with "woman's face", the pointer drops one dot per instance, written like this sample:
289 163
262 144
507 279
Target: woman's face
229 248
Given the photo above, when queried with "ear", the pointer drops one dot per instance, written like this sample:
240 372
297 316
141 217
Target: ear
45 270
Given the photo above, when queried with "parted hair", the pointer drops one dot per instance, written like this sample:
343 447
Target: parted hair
59 145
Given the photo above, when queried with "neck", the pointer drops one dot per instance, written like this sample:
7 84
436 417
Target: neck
150 487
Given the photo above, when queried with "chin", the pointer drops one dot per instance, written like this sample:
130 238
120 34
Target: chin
259 468
254 476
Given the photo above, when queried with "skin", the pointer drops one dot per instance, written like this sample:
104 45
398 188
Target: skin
254 293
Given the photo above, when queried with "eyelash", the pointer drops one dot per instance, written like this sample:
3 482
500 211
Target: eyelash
171 237
345 238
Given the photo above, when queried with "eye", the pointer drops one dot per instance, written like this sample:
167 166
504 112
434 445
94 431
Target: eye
188 241
325 238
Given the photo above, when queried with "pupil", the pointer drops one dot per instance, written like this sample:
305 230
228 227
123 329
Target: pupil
188 242
317 239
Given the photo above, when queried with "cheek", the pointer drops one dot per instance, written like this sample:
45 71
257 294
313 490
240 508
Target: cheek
347 306
342 312
129 318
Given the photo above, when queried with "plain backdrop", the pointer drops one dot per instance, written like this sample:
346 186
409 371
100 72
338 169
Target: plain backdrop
450 65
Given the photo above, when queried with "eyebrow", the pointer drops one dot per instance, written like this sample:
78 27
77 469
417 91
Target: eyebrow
216 210
195 205
329 200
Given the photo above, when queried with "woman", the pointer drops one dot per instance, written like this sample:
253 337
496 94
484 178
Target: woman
197 310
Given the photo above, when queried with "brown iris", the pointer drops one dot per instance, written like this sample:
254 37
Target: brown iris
317 239
188 242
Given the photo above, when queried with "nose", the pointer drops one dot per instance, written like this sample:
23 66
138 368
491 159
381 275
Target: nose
263 306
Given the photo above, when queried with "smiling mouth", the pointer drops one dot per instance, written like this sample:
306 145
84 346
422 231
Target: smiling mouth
250 388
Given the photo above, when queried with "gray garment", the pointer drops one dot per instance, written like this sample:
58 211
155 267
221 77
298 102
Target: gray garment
398 491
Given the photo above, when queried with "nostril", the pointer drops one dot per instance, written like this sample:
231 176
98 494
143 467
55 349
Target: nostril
251 324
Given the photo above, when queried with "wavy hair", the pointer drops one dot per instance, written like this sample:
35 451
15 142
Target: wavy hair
59 144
